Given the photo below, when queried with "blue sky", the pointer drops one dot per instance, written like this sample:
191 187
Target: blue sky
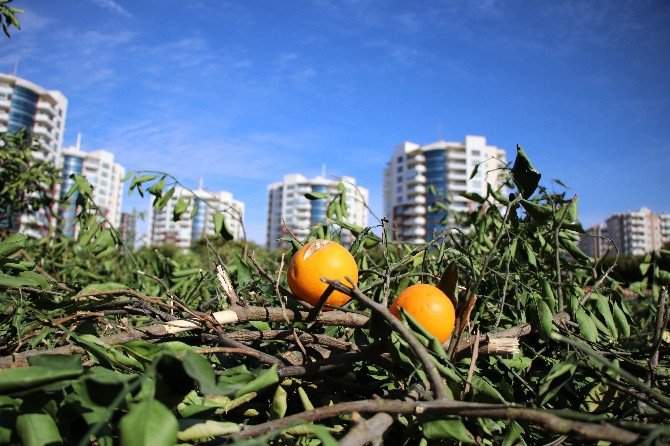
242 92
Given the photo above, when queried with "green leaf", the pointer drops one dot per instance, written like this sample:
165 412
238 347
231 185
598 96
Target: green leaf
568 213
279 404
586 325
137 182
524 174
37 429
42 282
103 353
474 171
304 399
12 244
265 379
14 282
620 320
160 203
603 305
148 423
473 196
514 432
537 211
316 195
545 317
27 377
200 369
57 362
220 226
449 282
157 188
196 429
243 272
450 428
127 176
179 208
108 286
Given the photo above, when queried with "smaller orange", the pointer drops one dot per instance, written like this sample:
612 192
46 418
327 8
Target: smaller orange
317 259
430 307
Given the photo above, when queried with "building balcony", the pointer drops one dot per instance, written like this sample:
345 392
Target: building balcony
415 191
414 221
413 231
457 156
415 210
413 160
416 179
44 119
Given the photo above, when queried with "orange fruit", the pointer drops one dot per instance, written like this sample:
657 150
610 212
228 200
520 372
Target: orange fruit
430 307
317 259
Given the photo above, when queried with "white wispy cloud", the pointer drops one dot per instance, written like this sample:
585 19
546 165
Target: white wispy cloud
113 6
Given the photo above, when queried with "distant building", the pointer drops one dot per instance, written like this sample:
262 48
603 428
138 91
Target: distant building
639 232
597 243
416 177
42 112
99 168
186 231
290 212
128 228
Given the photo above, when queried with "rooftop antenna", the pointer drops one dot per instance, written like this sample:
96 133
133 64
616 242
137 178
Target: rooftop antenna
201 184
16 65
78 145
323 170
439 131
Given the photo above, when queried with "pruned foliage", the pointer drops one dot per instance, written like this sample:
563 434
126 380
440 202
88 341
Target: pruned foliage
103 345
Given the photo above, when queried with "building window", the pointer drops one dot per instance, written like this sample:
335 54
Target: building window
400 159
399 169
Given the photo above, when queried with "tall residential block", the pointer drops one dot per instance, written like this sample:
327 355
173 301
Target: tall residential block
42 112
99 168
186 231
289 212
596 243
416 177
639 232
128 228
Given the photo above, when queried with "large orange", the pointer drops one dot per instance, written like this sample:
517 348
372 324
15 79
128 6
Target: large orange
430 307
317 259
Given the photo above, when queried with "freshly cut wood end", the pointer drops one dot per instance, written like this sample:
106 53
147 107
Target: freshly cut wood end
503 346
224 281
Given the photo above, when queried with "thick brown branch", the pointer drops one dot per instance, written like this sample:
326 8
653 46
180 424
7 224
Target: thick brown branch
535 417
367 430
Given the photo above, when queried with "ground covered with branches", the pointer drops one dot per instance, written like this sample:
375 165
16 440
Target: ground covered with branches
103 344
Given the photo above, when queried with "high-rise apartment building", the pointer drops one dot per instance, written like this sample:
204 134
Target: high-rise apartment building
290 212
639 232
596 243
186 231
416 177
128 228
24 104
99 168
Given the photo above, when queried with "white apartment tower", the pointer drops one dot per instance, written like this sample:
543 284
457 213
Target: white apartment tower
290 212
639 232
186 231
418 176
24 104
99 168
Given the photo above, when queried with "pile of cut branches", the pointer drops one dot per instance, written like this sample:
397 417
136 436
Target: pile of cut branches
102 344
